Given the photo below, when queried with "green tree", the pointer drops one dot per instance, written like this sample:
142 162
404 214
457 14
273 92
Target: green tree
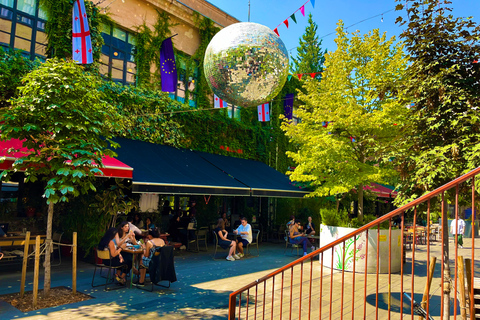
310 57
346 153
62 117
442 140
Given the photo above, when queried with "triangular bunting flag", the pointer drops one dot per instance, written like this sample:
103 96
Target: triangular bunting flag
302 10
286 22
293 17
276 31
324 124
475 61
299 76
313 74
352 139
219 103
313 3
289 77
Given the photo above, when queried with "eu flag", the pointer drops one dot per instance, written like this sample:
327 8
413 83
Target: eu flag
288 105
167 64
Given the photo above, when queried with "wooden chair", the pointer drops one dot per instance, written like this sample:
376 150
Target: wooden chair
105 255
161 267
255 237
288 243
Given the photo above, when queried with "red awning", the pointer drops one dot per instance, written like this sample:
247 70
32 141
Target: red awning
381 191
113 167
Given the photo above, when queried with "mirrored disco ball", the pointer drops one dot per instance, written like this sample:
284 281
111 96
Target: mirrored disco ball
246 64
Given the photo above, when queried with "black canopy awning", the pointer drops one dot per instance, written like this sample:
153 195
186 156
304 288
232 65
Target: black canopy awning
168 170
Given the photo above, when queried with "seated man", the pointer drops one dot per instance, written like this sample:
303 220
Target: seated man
245 235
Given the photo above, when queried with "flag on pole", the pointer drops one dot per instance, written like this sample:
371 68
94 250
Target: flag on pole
219 103
81 40
263 112
288 105
168 68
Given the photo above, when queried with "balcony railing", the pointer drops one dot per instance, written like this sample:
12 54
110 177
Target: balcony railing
309 288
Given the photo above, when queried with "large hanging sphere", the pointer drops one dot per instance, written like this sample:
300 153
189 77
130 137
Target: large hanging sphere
246 64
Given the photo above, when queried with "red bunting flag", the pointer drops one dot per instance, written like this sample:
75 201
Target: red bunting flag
302 10
475 61
299 76
276 31
286 22
313 74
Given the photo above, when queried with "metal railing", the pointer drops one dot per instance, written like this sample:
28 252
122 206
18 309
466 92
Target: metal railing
312 288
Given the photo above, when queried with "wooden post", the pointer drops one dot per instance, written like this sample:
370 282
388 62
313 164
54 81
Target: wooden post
24 265
461 284
74 264
36 271
426 291
468 271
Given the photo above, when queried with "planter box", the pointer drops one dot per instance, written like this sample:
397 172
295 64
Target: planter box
329 234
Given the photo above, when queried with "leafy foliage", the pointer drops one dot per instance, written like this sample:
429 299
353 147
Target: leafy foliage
13 66
61 116
348 151
310 57
59 28
441 141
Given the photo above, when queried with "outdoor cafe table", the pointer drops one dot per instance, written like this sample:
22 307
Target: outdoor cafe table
136 254
312 236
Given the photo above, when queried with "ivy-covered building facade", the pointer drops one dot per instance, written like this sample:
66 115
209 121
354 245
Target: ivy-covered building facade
126 36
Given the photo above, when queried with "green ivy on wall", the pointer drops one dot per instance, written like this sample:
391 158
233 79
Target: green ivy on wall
59 29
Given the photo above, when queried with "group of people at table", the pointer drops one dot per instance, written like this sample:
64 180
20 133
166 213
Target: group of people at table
298 234
128 237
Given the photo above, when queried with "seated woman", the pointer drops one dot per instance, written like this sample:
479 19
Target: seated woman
299 238
107 243
224 242
125 235
149 224
227 222
310 227
152 243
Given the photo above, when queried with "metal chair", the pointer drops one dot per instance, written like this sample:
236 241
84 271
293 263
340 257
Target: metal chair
161 268
105 255
255 237
288 243
201 235
215 238
57 237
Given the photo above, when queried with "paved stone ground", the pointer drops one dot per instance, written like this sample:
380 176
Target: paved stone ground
204 285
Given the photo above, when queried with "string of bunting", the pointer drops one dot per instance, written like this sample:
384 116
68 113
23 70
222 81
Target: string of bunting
292 16
300 75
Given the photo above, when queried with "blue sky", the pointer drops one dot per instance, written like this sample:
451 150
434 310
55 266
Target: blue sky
326 14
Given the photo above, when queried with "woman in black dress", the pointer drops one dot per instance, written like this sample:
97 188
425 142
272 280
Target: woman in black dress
224 242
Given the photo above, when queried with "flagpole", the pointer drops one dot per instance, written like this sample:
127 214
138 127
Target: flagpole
248 10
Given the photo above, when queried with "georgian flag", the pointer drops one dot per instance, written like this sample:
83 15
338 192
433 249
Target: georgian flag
81 41
263 112
219 103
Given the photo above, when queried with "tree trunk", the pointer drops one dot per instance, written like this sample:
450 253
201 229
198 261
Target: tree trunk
360 203
48 246
446 265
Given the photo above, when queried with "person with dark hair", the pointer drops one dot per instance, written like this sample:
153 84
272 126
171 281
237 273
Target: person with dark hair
226 221
291 222
149 224
224 242
152 243
133 227
107 243
137 221
166 212
299 238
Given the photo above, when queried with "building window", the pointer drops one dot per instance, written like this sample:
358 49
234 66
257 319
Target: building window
116 61
186 80
22 27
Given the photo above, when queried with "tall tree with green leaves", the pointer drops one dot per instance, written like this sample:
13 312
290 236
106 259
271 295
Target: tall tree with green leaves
310 57
442 140
345 127
63 119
